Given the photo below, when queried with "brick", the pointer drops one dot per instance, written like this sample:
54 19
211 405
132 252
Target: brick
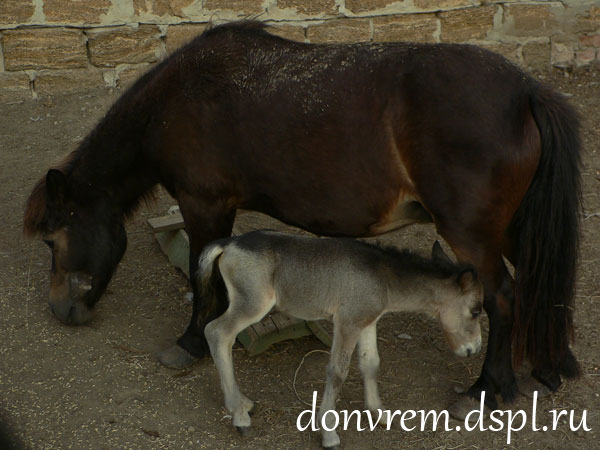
178 35
537 55
584 57
44 48
531 20
359 6
590 41
14 87
442 4
124 45
67 81
16 11
343 30
410 28
295 33
312 8
75 11
466 24
241 7
161 7
562 54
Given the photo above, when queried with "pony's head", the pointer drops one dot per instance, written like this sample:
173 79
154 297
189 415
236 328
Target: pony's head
86 237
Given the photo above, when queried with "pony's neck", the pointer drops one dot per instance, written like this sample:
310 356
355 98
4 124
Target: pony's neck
111 162
419 296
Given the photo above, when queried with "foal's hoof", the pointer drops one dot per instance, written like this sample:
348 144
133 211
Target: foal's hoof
175 357
252 410
244 431
463 406
528 385
334 447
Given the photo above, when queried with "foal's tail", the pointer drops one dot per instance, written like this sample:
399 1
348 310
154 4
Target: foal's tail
545 233
209 280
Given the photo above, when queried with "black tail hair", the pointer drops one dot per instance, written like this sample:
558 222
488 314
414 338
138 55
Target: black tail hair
545 231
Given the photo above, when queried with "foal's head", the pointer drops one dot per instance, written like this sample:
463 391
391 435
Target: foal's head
459 306
87 240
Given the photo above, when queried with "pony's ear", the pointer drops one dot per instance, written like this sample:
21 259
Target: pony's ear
467 279
56 186
437 252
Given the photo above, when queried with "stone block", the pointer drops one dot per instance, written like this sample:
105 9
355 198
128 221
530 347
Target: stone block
241 7
466 24
14 87
442 4
530 20
361 6
342 30
75 11
16 11
562 54
127 75
48 83
409 28
293 32
124 45
588 23
509 50
309 8
537 55
161 7
585 56
178 35
44 48
590 41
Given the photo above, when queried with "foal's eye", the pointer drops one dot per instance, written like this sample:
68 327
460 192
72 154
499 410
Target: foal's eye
475 314
49 243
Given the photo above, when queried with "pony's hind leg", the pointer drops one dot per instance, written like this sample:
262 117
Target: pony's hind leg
369 367
221 334
344 342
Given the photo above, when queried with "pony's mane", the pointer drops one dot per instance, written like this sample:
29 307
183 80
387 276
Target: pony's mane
35 208
248 26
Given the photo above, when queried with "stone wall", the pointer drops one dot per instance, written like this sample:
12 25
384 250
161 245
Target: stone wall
52 46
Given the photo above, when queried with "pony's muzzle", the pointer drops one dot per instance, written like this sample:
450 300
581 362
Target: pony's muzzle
472 348
68 305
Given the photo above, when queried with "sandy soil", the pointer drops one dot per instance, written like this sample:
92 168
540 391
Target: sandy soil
100 386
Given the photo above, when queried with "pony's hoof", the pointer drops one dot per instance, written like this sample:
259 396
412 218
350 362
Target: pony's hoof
244 431
252 410
528 385
463 406
334 447
175 357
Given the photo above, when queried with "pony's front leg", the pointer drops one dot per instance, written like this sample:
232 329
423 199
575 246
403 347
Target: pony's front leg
369 367
204 222
344 341
497 375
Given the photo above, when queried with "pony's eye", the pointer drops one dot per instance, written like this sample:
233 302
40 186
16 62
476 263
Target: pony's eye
475 314
49 243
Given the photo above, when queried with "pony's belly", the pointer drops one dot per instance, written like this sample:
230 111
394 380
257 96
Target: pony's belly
404 212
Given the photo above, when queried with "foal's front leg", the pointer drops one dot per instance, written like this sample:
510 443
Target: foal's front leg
344 341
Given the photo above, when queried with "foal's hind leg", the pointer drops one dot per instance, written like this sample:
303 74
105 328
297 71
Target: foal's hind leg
344 342
369 366
221 334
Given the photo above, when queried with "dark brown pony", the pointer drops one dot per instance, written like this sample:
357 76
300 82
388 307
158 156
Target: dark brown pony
351 140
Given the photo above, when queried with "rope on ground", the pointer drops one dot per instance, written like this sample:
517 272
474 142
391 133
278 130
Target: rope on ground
298 369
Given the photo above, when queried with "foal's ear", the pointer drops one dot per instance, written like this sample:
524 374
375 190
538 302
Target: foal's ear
56 186
467 279
437 252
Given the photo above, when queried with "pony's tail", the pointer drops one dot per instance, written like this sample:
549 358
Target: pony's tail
209 280
545 233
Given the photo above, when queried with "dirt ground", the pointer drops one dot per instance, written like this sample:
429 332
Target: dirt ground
100 385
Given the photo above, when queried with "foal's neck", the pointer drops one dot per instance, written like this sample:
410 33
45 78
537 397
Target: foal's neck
420 295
